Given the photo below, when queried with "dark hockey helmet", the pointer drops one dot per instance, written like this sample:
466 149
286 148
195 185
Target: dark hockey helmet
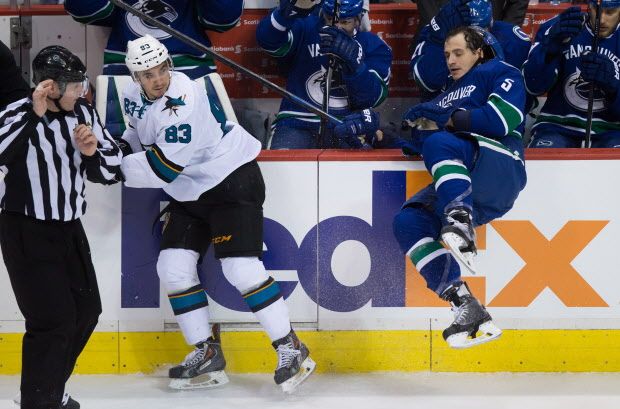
481 13
607 4
58 64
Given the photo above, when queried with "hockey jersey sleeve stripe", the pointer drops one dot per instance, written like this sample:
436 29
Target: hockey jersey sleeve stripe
284 49
418 78
276 24
384 88
510 115
162 167
574 122
100 14
218 27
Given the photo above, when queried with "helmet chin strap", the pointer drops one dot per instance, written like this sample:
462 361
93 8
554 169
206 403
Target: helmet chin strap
56 101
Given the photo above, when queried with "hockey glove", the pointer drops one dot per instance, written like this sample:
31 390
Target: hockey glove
336 42
297 8
600 70
358 129
453 14
570 23
429 111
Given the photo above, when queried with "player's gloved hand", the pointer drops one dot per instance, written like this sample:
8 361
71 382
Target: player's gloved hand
359 128
297 8
570 22
601 71
453 14
124 145
431 111
336 42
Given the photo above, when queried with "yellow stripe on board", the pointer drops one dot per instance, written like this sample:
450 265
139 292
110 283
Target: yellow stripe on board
351 351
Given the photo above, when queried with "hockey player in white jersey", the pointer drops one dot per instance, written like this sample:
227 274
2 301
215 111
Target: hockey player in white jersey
184 144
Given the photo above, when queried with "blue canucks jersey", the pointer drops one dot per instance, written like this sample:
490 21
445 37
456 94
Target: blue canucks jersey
565 110
190 17
296 43
428 63
494 95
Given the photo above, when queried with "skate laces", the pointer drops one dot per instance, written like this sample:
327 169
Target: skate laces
195 356
462 221
460 313
286 354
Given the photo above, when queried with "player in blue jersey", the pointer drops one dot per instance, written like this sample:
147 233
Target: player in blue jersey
562 65
475 157
190 17
303 42
427 66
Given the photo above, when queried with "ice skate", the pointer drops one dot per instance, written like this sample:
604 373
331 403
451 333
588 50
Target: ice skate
294 363
203 367
459 235
67 401
472 325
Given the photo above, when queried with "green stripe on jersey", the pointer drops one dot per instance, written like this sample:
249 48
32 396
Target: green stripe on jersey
210 25
99 15
284 49
512 117
598 125
384 90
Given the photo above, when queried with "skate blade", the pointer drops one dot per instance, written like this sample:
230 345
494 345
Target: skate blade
454 242
307 367
204 381
486 333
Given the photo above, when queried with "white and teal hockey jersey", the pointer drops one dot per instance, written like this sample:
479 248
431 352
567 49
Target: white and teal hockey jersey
188 146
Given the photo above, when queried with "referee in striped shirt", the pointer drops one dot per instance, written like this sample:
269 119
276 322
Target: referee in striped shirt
50 143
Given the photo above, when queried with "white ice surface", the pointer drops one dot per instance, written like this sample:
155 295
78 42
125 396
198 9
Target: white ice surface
367 391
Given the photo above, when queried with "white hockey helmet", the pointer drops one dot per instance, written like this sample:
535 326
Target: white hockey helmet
144 53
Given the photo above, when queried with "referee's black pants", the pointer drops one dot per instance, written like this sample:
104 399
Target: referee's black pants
54 282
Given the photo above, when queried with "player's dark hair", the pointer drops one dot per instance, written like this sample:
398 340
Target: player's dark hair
474 40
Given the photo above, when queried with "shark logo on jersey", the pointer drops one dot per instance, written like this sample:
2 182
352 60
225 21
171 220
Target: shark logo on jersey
315 86
173 104
576 92
156 9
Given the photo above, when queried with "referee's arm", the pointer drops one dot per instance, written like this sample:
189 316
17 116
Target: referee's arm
17 122
105 165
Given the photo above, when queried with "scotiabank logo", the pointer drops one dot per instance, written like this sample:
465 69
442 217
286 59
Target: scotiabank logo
392 280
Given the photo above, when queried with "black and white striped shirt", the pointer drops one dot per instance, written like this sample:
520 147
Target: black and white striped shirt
45 171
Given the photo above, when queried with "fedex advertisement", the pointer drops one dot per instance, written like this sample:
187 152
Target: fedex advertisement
329 242
551 262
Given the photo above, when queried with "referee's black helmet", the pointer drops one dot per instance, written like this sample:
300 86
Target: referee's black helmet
59 64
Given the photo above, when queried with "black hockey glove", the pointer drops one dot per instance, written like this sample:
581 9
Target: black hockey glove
358 129
570 23
601 71
336 42
453 14
297 8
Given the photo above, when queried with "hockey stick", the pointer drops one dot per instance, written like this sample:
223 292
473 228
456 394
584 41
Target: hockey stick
594 49
224 60
331 61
